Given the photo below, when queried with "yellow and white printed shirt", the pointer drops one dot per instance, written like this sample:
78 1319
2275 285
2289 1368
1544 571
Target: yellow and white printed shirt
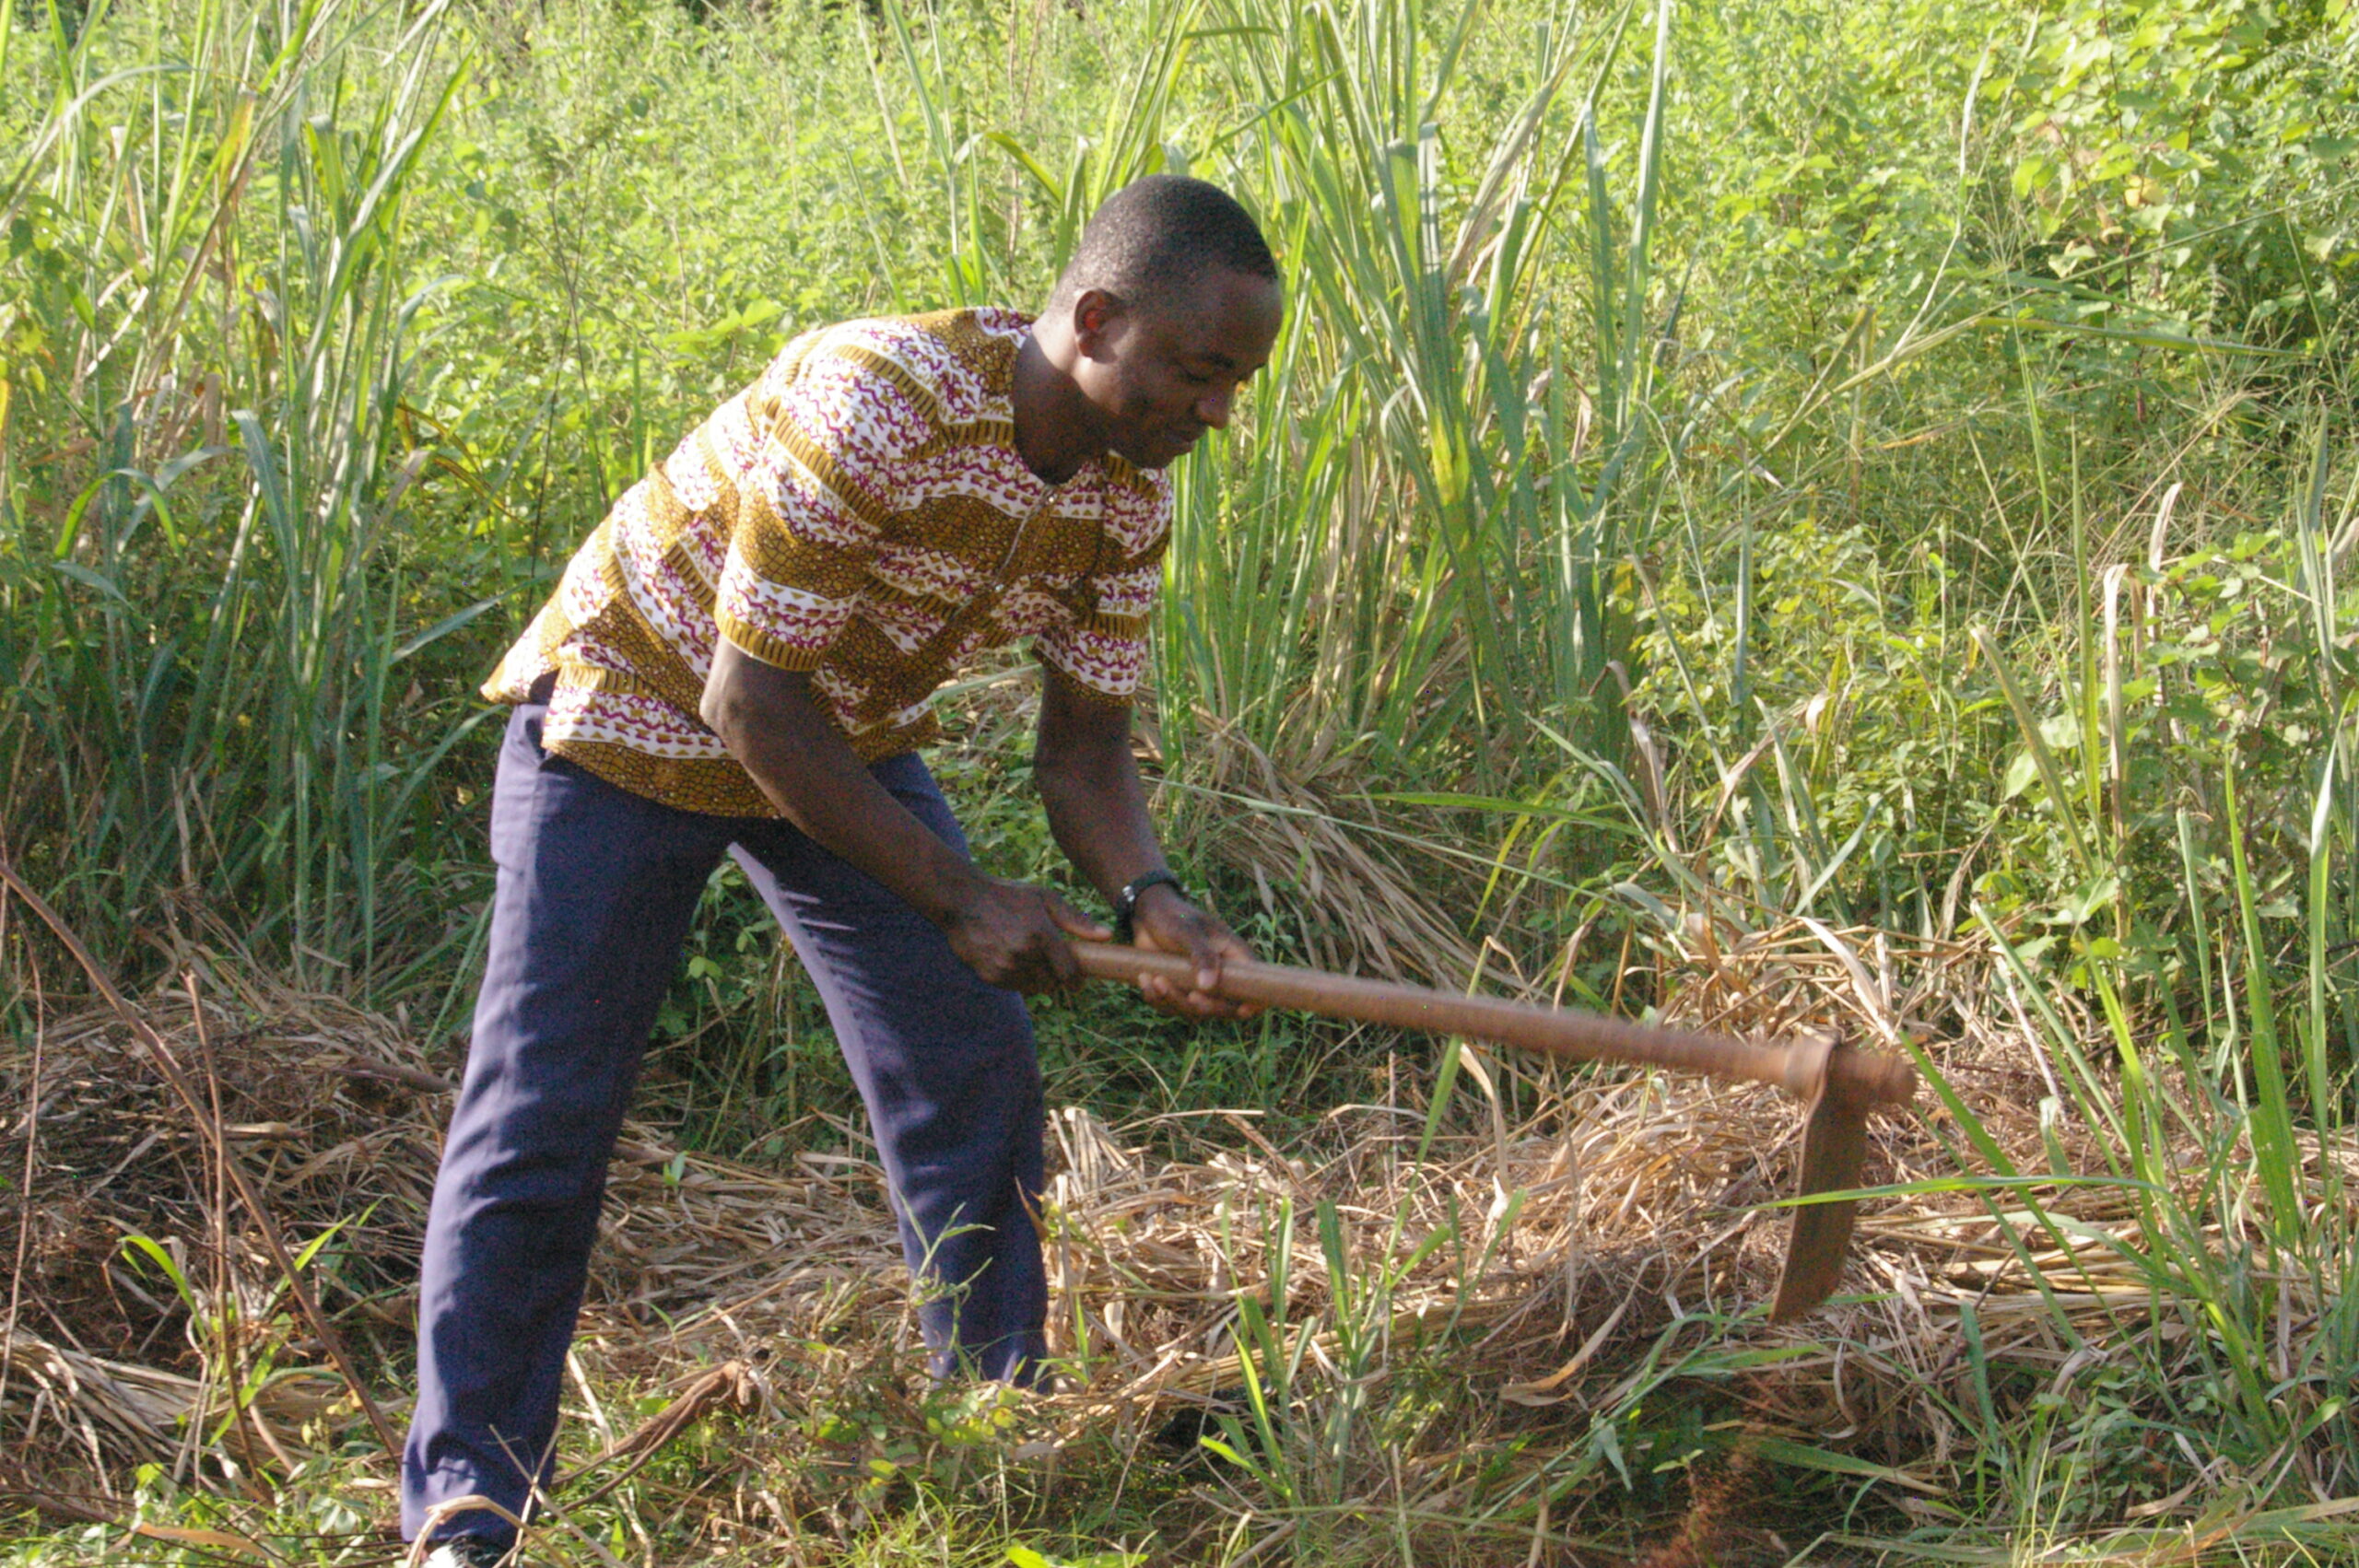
861 512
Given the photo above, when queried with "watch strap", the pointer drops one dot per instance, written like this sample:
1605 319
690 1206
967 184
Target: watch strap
1126 902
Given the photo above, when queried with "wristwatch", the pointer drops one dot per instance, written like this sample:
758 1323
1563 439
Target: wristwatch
1126 902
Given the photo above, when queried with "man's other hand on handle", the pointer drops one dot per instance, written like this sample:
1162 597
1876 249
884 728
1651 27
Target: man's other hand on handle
1164 922
1014 934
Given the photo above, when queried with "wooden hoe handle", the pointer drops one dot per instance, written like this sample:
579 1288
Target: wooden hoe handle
1802 1068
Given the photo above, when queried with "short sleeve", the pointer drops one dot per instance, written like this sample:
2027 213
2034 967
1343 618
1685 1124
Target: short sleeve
822 445
1102 648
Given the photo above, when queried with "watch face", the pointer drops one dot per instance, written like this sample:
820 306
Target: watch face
1138 886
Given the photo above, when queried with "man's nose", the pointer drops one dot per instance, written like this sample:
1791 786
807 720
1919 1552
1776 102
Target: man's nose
1213 407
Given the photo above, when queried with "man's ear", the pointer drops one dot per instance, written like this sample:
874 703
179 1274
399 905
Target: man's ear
1098 318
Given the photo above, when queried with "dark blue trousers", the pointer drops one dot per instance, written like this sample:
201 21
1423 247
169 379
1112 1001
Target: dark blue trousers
596 890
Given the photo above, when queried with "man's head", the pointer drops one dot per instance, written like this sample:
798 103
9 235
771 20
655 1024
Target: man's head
1171 300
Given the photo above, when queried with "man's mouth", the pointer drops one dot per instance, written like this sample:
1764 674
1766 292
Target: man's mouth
1168 445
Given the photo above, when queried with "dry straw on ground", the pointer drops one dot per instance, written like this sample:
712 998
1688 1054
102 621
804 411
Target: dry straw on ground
1581 1215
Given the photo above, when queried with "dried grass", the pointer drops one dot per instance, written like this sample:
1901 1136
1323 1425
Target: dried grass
1370 915
775 1290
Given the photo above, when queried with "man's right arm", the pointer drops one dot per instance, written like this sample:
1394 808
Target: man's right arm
1011 933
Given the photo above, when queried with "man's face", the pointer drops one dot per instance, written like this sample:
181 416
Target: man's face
1161 372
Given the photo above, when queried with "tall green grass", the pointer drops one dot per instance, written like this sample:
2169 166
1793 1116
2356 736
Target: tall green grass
1434 481
1415 501
208 637
1511 427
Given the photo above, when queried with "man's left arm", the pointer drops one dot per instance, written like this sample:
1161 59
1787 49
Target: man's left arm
1097 808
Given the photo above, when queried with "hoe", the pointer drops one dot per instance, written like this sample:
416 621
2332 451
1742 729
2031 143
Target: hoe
1838 1084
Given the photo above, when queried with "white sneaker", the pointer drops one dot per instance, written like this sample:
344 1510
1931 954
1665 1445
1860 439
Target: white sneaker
467 1552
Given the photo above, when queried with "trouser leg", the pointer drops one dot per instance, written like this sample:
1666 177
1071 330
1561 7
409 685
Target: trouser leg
947 1068
594 892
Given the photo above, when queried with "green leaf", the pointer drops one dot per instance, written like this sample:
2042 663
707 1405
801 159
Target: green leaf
89 578
148 1247
1803 1456
2020 773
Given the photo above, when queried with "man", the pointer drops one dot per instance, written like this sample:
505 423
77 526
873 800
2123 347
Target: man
738 660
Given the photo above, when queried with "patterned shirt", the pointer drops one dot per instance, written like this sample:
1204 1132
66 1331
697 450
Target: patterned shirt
861 512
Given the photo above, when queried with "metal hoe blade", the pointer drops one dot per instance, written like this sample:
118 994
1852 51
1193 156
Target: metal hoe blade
1834 1146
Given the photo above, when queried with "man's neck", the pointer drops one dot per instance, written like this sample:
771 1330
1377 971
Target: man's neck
1055 426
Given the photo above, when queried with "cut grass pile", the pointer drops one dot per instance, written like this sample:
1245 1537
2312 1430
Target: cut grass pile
1523 1324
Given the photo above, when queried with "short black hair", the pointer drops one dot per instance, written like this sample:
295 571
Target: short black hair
1156 235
